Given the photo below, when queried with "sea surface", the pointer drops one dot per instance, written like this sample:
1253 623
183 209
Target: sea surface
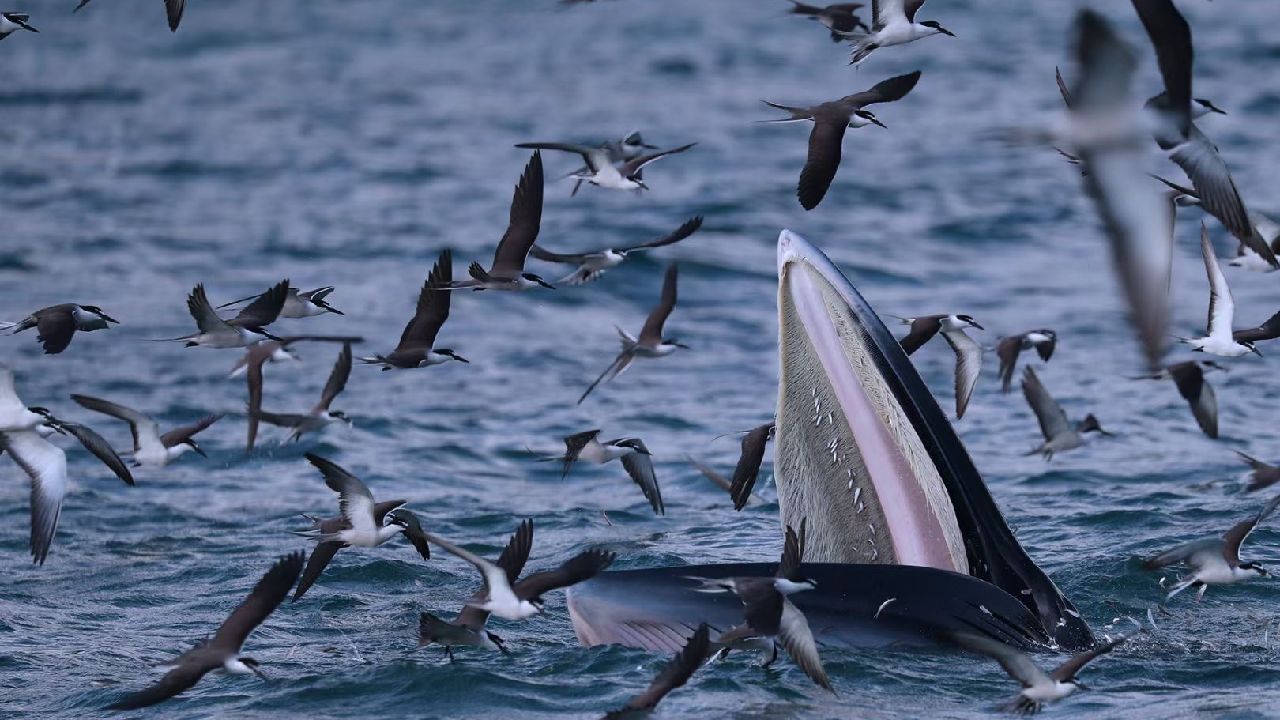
347 144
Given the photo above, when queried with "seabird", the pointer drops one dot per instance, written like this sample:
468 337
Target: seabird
768 612
721 481
1177 134
1038 688
635 458
320 416
11 22
1218 339
1215 561
1199 394
747 470
417 343
1109 135
1264 475
243 330
841 18
149 446
827 137
632 145
172 8
590 265
675 674
651 343
1007 349
1059 435
362 524
326 549
523 599
468 628
57 324
968 353
601 172
281 350
507 271
221 653
894 24
299 304
1266 228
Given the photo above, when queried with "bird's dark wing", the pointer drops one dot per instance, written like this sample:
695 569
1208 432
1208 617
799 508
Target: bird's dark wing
56 327
1268 330
1171 37
433 307
270 591
1236 536
792 552
253 377
337 378
824 159
176 681
1189 377
265 309
173 9
319 560
922 329
1008 350
688 228
795 636
186 432
639 465
651 333
1062 87
526 218
677 672
1070 668
580 567
540 253
748 467
516 553
891 90
101 449
911 7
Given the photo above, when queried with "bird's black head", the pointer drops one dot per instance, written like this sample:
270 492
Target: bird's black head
677 343
639 183
1209 106
195 447
634 444
1091 424
1255 567
339 415
451 354
98 311
869 117
535 279
934 24
400 518
635 141
326 306
969 320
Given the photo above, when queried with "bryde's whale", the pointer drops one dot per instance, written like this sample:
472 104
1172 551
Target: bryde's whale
894 505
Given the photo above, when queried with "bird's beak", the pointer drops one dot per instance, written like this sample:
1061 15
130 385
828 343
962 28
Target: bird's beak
546 285
259 672
199 451
459 358
333 310
655 147
110 319
1255 351
1082 686
946 32
28 27
877 122
977 326
682 345
642 185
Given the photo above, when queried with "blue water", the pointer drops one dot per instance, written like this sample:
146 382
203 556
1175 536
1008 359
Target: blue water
348 143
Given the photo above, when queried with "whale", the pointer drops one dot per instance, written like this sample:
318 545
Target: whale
905 542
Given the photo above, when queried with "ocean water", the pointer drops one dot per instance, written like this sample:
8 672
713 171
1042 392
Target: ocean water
348 143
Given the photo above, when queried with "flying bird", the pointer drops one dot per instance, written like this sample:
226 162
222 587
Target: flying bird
747 470
968 353
325 550
149 446
1008 348
830 119
591 265
1218 338
674 675
894 23
362 526
243 330
57 324
298 304
841 18
600 170
721 481
1059 435
1215 561
222 652
1199 394
1264 475
651 343
12 22
630 146
417 343
320 416
633 454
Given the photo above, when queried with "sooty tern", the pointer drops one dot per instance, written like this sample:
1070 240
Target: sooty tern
1177 134
1008 349
57 324
523 599
968 353
468 628
326 549
1038 688
1264 475
221 653
243 330
11 22
1199 394
320 416
894 24
149 446
1218 339
299 304
1059 435
172 8
747 470
417 343
768 612
590 265
1267 230
830 119
603 173
651 343
632 452
721 481
841 18
507 271
1215 561
363 520
674 674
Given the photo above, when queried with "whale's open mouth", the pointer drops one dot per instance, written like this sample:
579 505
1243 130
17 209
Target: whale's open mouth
864 452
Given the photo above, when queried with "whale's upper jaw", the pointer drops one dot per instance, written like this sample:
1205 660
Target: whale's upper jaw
855 419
